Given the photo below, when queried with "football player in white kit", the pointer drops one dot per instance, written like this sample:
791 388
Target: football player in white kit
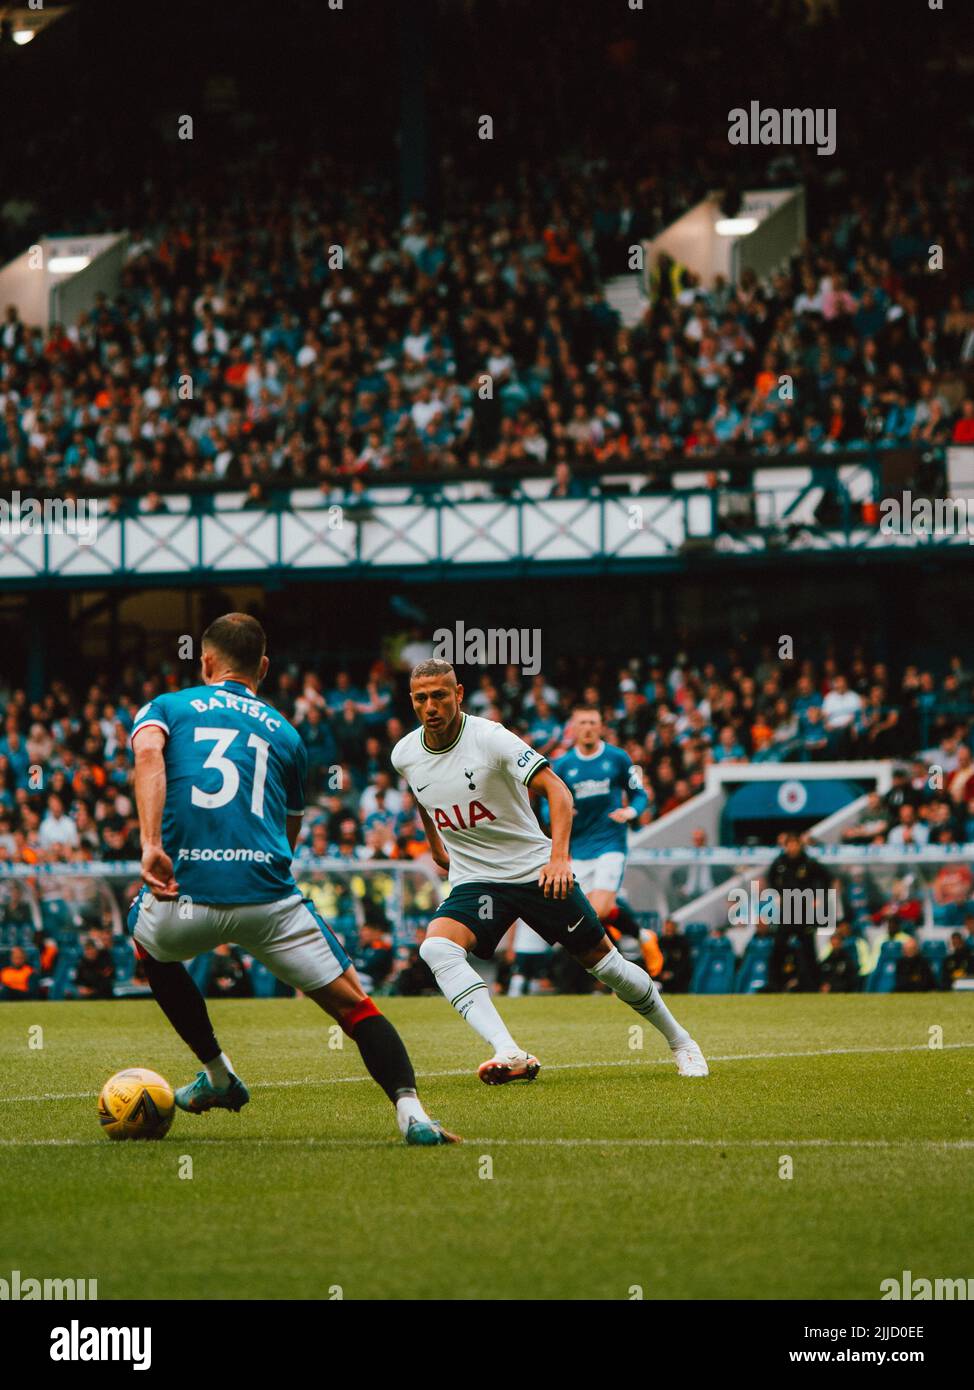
471 777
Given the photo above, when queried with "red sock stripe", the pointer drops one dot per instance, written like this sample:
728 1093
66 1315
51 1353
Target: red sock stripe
364 1010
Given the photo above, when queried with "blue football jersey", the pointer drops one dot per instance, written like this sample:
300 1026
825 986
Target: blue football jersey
235 769
599 784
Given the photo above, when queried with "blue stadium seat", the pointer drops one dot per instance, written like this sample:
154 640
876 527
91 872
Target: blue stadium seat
67 959
123 954
695 932
266 984
649 921
755 965
882 980
56 916
935 950
199 969
713 972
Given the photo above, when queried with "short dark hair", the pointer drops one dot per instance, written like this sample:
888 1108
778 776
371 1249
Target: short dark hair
240 639
433 666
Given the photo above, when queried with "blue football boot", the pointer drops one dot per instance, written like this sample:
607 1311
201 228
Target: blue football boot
201 1094
428 1133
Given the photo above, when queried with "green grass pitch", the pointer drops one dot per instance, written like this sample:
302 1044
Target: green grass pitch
610 1172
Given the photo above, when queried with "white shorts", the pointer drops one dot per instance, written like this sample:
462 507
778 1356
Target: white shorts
287 936
601 875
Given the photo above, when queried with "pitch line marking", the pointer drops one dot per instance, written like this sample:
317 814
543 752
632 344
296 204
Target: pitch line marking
553 1066
541 1143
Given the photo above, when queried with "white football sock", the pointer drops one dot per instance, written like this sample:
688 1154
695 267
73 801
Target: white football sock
218 1071
466 991
635 988
409 1108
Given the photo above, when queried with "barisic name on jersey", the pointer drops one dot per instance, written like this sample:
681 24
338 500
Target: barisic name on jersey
476 793
235 770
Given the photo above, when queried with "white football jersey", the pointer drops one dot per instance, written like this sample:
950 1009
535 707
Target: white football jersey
476 794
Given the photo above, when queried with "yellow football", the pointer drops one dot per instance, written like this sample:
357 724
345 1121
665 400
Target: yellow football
136 1104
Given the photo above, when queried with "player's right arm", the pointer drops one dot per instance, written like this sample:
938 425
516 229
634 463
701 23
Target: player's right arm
438 849
149 744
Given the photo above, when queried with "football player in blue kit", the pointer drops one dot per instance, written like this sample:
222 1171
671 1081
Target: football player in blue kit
219 780
609 797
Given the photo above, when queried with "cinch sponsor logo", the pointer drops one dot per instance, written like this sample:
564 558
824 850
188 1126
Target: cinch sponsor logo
77 1343
926 1290
19 1288
250 856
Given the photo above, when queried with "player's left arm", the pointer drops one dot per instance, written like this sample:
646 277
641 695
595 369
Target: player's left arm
556 877
293 829
637 802
295 781
149 745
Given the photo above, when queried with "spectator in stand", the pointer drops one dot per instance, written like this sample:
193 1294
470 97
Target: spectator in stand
871 823
839 971
18 978
373 957
229 975
953 888
677 959
94 974
57 829
909 832
841 712
959 960
914 973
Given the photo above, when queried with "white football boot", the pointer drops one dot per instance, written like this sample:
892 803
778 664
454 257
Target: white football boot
508 1066
690 1061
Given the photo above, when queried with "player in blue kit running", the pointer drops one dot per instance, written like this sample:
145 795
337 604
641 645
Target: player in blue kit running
608 797
219 781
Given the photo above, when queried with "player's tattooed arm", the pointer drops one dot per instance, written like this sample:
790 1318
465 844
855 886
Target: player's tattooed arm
438 849
556 877
150 798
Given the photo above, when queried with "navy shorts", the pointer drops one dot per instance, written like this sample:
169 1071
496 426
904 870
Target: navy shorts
489 909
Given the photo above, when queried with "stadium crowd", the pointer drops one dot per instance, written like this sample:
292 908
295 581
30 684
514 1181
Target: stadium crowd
265 345
66 765
66 793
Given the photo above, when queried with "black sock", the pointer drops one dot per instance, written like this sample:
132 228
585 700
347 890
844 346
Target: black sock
183 1005
624 919
385 1056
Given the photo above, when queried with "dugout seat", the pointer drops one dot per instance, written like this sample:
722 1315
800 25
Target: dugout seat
199 969
57 917
882 980
755 965
123 955
935 950
266 984
61 980
713 971
696 932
